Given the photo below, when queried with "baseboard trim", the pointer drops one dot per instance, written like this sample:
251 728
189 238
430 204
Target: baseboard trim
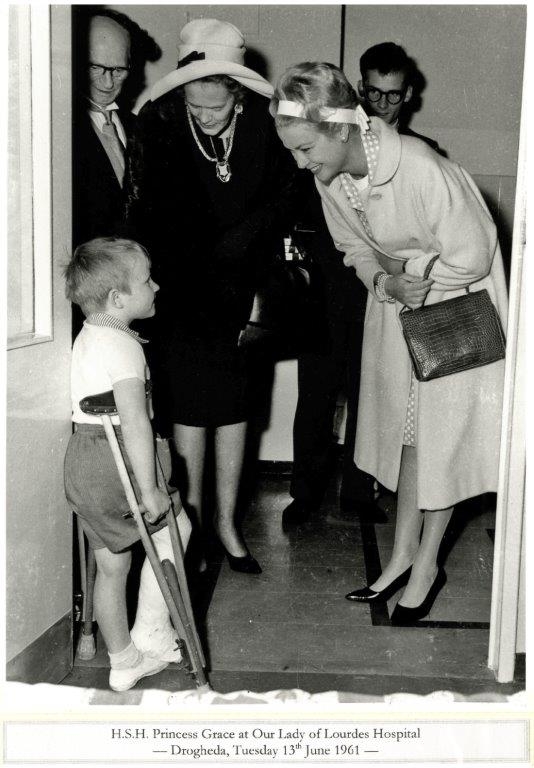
268 467
48 659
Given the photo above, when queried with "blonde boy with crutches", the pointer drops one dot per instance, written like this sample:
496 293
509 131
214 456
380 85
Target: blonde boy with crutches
110 280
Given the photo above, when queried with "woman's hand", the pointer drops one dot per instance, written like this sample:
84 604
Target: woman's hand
407 289
157 503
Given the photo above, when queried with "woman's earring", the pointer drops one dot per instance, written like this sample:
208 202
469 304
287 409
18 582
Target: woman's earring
238 108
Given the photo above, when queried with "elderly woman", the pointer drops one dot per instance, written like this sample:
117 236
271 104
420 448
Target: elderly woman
392 204
211 194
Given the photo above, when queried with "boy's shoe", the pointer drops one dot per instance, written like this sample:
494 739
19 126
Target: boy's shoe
160 644
124 679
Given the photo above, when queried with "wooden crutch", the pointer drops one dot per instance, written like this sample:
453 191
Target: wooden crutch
86 648
178 552
172 589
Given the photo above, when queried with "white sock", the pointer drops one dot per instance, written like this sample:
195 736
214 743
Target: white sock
128 657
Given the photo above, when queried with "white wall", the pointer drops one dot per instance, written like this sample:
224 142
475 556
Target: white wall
472 59
39 525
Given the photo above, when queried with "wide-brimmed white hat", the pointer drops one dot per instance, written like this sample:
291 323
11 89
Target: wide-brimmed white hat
211 47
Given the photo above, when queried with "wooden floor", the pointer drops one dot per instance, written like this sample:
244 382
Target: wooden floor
291 627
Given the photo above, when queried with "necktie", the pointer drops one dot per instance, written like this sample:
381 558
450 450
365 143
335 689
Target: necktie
113 145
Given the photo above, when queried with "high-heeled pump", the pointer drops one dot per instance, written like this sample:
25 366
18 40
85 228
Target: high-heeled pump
403 616
244 564
368 595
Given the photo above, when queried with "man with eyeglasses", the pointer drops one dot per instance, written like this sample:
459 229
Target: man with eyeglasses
100 127
387 86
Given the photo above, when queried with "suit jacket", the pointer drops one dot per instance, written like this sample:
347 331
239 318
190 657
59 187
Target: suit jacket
97 197
339 290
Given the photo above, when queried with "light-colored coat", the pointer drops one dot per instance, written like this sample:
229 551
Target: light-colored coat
420 205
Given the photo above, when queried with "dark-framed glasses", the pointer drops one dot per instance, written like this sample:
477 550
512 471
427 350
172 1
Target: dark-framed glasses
375 94
99 70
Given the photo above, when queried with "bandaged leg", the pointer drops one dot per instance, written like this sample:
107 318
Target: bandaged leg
152 632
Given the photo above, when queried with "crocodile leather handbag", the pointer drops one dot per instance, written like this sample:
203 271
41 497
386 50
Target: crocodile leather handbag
454 335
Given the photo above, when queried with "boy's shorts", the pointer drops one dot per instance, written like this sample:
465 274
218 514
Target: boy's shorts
94 489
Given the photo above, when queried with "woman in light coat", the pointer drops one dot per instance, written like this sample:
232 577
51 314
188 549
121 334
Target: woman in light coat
392 204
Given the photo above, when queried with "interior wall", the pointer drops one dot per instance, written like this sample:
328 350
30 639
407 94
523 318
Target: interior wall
39 522
472 59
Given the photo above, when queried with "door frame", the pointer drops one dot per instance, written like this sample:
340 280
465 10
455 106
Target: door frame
508 562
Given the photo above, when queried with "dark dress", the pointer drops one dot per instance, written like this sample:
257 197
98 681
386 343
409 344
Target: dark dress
211 245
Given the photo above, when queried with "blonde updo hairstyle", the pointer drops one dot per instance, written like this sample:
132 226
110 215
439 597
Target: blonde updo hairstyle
318 86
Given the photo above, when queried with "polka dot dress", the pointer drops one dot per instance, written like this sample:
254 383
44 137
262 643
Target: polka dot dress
371 147
409 426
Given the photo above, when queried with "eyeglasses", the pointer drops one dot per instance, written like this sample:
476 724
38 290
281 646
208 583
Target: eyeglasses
375 94
117 73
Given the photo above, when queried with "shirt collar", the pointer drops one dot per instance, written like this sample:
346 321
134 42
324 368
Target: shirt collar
93 107
109 321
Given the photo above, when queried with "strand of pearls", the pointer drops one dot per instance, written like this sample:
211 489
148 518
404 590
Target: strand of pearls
224 172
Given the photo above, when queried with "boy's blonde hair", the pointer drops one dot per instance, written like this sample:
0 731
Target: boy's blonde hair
97 267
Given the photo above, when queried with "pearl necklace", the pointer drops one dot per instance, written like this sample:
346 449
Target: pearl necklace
223 170
371 147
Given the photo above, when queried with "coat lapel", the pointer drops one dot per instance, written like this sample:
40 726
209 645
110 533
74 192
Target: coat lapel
389 153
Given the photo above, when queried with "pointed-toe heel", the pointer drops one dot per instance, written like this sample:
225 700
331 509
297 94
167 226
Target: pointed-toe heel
368 595
407 617
245 564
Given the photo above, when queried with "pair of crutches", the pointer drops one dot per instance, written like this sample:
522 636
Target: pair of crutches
171 577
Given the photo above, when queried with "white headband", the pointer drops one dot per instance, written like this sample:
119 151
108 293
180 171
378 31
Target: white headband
355 116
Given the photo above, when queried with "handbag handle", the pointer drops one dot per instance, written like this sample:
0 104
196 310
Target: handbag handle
429 267
426 276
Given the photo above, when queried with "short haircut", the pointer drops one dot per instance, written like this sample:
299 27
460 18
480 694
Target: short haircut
235 88
387 58
315 85
97 267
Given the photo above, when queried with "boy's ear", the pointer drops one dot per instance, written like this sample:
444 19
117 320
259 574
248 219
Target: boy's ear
115 299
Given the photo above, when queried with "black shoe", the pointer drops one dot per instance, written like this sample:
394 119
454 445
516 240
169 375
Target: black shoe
297 513
245 564
368 595
406 617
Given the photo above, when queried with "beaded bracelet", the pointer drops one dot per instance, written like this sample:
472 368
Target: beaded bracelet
379 282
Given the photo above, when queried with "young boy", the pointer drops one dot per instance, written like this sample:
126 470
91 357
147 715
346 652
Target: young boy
110 280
